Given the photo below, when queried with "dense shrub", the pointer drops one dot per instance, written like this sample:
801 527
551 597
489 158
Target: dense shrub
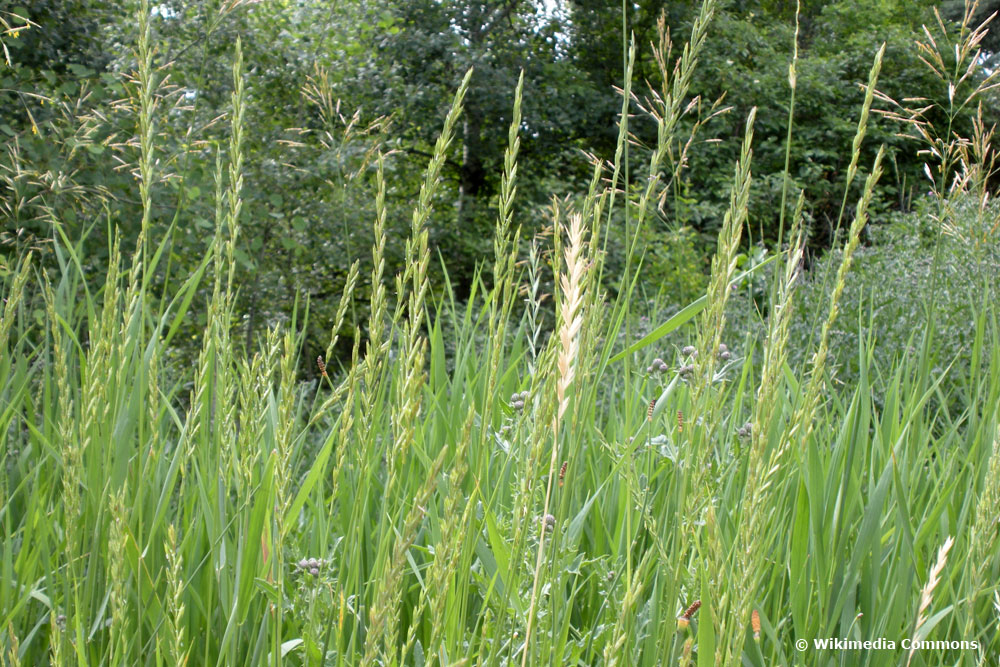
912 261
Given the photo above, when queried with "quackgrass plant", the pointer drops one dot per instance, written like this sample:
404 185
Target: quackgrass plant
501 494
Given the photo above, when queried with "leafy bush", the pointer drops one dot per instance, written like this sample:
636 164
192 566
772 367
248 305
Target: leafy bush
946 258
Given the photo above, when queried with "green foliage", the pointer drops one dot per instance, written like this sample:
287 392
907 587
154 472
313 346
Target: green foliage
886 301
750 53
334 84
200 506
408 72
674 265
471 485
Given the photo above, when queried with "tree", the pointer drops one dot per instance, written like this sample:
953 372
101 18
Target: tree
413 72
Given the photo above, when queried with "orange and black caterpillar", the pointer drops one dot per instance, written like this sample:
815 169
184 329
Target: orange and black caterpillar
685 619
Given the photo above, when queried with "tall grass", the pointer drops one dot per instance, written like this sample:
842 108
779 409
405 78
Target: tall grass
489 496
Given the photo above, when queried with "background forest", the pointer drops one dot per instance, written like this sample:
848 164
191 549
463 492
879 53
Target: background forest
331 84
501 332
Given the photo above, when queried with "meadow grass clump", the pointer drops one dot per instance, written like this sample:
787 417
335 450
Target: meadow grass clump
480 485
